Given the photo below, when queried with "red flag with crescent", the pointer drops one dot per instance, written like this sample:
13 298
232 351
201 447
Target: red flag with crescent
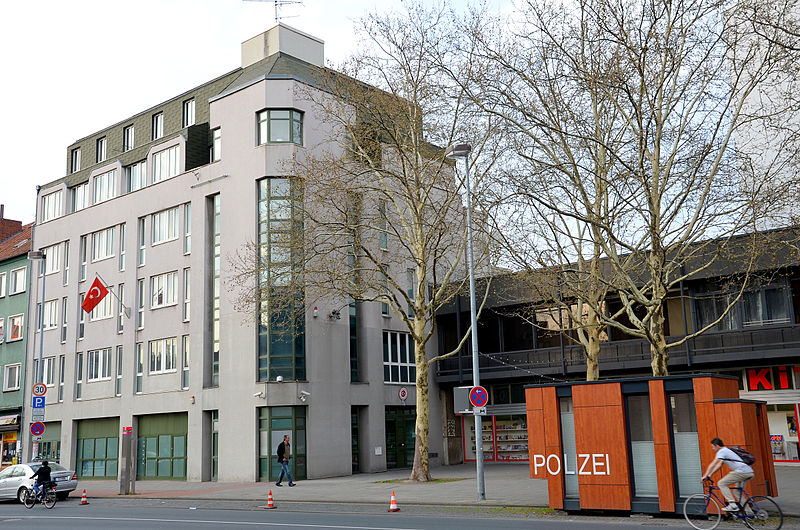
95 295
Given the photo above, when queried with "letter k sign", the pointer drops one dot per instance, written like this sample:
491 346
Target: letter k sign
95 295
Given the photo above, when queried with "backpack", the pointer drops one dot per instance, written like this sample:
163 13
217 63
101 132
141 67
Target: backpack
746 456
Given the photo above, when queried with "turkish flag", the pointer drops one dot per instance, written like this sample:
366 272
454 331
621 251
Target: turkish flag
95 295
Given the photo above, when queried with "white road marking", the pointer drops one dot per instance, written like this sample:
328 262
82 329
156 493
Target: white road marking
185 521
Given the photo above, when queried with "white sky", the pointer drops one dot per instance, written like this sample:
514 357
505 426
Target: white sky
72 67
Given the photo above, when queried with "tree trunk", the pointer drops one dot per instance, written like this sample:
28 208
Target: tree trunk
420 472
658 344
593 355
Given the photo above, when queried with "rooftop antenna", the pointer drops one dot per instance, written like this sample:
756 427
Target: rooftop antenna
278 5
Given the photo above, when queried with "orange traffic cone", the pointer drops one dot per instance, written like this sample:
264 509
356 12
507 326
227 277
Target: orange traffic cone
83 498
393 505
270 504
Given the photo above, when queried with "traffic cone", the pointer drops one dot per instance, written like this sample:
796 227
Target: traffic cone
270 504
83 499
393 505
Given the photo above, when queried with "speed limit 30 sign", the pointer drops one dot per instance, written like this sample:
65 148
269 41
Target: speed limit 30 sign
39 389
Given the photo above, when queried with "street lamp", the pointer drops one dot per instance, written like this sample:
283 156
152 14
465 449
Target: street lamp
455 151
36 255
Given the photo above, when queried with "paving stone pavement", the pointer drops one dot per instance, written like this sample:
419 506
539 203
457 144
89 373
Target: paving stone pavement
506 485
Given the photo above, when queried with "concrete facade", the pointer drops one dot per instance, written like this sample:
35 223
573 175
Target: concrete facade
223 440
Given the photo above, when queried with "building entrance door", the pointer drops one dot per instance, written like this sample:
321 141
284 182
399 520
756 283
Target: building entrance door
400 436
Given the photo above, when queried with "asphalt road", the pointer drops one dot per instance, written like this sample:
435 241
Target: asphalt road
136 514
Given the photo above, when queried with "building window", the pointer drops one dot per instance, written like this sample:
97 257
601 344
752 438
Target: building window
49 371
79 196
102 244
75 160
211 375
216 144
121 312
162 355
766 305
51 206
385 285
164 290
158 126
165 225
81 316
187 228
11 377
118 381
50 314
139 367
273 423
2 330
142 240
280 126
61 365
399 365
83 253
99 368
188 112
139 304
78 376
281 345
165 164
17 281
52 262
127 138
2 284
382 226
185 362
122 234
66 263
105 186
101 149
136 176
186 295
64 319
103 310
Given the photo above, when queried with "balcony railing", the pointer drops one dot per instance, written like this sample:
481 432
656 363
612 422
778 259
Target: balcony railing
736 344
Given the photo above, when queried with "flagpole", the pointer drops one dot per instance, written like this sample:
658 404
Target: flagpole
105 284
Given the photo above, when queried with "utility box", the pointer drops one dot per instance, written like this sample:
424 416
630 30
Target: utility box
640 444
461 404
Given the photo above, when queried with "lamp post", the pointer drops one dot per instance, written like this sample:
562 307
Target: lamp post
455 151
36 255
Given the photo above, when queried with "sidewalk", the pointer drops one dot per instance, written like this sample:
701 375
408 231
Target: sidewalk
506 485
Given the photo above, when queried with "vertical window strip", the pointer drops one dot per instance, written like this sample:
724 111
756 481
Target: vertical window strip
81 316
121 314
139 367
65 279
187 228
122 236
83 252
186 295
79 376
61 366
118 381
216 288
185 362
139 304
64 319
142 237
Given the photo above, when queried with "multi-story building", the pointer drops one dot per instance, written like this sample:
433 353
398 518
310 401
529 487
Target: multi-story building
15 241
155 206
521 342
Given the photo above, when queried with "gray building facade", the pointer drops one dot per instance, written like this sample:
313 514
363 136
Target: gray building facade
155 207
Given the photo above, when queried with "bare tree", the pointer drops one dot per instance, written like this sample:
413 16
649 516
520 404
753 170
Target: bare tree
623 115
383 224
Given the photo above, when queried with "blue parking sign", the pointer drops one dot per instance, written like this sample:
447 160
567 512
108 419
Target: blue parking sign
38 402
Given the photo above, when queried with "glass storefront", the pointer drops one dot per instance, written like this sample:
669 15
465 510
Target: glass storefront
505 438
161 447
97 451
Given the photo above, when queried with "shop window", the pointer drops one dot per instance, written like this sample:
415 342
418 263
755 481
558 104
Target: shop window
640 425
274 422
686 444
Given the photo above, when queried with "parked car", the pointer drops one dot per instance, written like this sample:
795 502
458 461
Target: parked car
16 479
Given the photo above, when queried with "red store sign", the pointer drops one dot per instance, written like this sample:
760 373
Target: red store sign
774 378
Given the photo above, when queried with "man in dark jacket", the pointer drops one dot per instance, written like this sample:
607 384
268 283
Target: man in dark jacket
42 476
284 454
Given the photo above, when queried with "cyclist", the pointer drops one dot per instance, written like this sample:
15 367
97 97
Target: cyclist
739 476
42 476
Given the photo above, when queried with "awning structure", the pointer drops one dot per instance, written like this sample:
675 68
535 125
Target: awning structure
9 423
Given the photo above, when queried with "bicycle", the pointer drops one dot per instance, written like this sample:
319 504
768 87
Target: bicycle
46 495
704 510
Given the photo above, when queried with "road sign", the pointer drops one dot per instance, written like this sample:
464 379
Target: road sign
37 429
478 396
38 402
402 393
479 411
36 438
39 389
37 415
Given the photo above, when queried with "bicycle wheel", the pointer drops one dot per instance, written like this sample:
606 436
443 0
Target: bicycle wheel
30 499
49 499
766 514
702 511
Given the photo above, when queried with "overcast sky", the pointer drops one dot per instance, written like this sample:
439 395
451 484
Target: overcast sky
70 68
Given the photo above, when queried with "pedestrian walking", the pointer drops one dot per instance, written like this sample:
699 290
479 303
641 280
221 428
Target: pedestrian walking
284 454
